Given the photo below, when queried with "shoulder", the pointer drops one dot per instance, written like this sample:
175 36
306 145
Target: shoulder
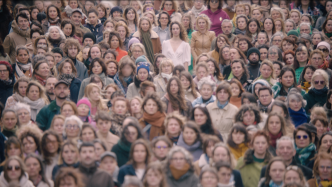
154 35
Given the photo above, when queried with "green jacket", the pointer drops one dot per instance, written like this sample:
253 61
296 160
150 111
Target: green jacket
314 99
276 89
251 170
46 114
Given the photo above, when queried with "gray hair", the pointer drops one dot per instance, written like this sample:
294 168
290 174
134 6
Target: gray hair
305 36
227 20
286 138
175 149
295 94
38 58
19 106
75 118
132 181
290 20
208 81
62 35
321 35
276 34
279 10
304 23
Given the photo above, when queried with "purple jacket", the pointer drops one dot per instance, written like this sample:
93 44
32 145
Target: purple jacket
216 19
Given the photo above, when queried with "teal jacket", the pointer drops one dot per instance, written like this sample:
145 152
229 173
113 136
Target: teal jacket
46 114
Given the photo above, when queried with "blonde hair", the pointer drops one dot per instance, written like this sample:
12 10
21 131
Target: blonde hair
165 61
278 10
174 115
207 20
41 88
153 15
322 73
139 100
269 63
101 105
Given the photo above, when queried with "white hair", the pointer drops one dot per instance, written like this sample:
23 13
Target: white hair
19 106
304 23
227 20
294 93
62 35
286 138
208 81
276 34
75 118
280 11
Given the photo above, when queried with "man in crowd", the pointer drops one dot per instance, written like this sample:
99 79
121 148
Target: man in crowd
253 55
49 87
265 98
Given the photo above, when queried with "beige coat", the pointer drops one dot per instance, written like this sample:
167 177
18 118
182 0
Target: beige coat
133 91
222 119
109 141
190 96
24 181
44 184
161 85
201 43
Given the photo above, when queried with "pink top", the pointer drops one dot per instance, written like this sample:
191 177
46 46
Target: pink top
216 18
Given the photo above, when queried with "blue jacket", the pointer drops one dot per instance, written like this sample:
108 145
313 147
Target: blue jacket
199 101
97 30
127 169
75 86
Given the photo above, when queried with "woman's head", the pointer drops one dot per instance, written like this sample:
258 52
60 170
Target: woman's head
221 152
266 69
191 133
237 136
322 166
68 108
178 157
35 91
145 24
97 66
248 114
173 124
301 56
68 28
236 87
209 176
241 22
223 92
177 30
154 175
320 79
239 69
294 175
203 23
35 167
50 145
55 33
152 104
288 44
131 133
302 137
14 169
73 127
253 26
295 100
206 87
88 133
275 124
317 58
68 175
21 85
160 147
275 170
94 52
139 152
41 69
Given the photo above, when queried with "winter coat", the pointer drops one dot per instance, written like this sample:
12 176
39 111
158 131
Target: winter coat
16 38
46 25
187 180
186 113
82 72
122 152
200 43
5 19
216 18
126 170
195 149
35 106
109 141
199 101
161 85
133 91
95 177
249 169
6 90
44 184
24 181
313 99
222 119
96 30
57 168
154 39
190 96
106 80
46 114
75 86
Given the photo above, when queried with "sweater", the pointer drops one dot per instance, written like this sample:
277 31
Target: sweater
216 19
239 151
195 149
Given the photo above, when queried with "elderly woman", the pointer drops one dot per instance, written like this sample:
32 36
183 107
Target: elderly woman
202 38
19 90
179 168
317 94
221 111
73 126
165 68
206 87
275 53
55 36
24 115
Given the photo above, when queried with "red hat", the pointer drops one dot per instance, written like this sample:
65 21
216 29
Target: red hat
8 65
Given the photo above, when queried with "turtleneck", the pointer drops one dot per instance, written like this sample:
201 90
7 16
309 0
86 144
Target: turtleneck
74 60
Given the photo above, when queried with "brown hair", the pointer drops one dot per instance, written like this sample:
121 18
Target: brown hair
157 168
156 99
174 115
268 167
21 79
65 172
224 86
67 143
67 60
5 167
188 76
320 156
126 60
47 155
177 101
147 149
71 103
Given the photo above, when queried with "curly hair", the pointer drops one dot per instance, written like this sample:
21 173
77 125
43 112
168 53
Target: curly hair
65 172
245 108
153 96
28 131
71 42
174 115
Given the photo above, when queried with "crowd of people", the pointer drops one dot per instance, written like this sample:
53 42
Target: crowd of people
166 93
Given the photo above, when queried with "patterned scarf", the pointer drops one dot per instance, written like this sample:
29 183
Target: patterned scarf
67 77
146 40
305 86
323 183
304 154
53 21
40 79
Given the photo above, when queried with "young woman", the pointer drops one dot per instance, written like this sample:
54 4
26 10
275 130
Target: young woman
163 30
238 141
266 71
289 57
220 42
259 154
124 33
173 125
280 26
262 38
296 106
88 133
257 13
238 70
305 149
131 16
35 98
295 15
269 27
189 86
321 176
142 75
19 92
93 93
148 38
98 68
237 91
244 45
35 169
248 115
317 37
69 30
154 175
224 58
53 18
274 173
57 125
30 139
119 112
289 25
172 8
177 48
125 74
322 126
23 67
253 28
116 44
68 175
153 116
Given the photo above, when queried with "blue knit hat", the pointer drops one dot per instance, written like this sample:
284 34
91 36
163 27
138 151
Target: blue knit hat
116 9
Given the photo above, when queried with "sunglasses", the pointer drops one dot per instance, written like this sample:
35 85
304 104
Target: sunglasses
214 1
16 168
304 137
324 50
320 82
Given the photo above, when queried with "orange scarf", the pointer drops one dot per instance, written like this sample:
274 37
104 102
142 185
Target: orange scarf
178 173
324 66
157 124
170 12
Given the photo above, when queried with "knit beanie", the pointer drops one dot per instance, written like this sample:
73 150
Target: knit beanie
57 50
89 35
116 9
253 50
140 59
142 64
132 41
260 81
86 101
7 65
293 32
41 16
323 43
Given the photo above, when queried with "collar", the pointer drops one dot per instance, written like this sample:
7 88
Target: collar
89 170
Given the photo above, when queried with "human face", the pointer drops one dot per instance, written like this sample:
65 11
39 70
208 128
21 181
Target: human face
295 17
185 82
277 170
120 107
142 74
176 30
265 97
23 116
87 155
316 38
220 154
278 26
35 35
302 139
67 29
238 137
139 154
173 127
211 67
241 23
109 92
249 117
257 14
52 145
274 125
266 71
200 117
4 73
14 170
292 176
260 145
58 126
23 56
262 38
324 168
235 90
99 149
237 69
52 12
326 142
29 145
94 94
122 32
108 164
263 52
288 26
127 70
276 70
108 57
163 20
201 72
226 28
225 53
308 74
206 91
110 26
88 135
115 42
50 61
54 33
202 25
287 46
324 50
275 14
273 55
32 166
268 25
135 106
57 58
161 149
209 179
253 27
222 96
76 17
95 52
214 4
145 25
13 151
287 79
320 128
289 59
185 22
317 60
23 23
257 86
319 82
151 107
67 110
72 129
174 87
93 18
240 11
33 93
101 13
234 54
224 175
198 4
243 45
69 154
72 51
328 26
305 29
285 150
277 41
153 178
178 160
97 68
137 52
131 135
67 68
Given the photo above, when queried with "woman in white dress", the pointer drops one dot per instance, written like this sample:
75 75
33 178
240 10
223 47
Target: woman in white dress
177 48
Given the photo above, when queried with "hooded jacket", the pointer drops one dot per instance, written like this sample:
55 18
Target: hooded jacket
16 38
24 181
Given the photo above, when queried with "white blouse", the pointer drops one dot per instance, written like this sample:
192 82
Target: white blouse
180 56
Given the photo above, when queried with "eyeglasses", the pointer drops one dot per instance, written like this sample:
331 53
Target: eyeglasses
304 137
292 168
161 147
69 126
325 167
4 71
16 168
23 113
319 82
214 1
149 8
277 40
324 50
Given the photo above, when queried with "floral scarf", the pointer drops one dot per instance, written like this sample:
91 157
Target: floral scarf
67 77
